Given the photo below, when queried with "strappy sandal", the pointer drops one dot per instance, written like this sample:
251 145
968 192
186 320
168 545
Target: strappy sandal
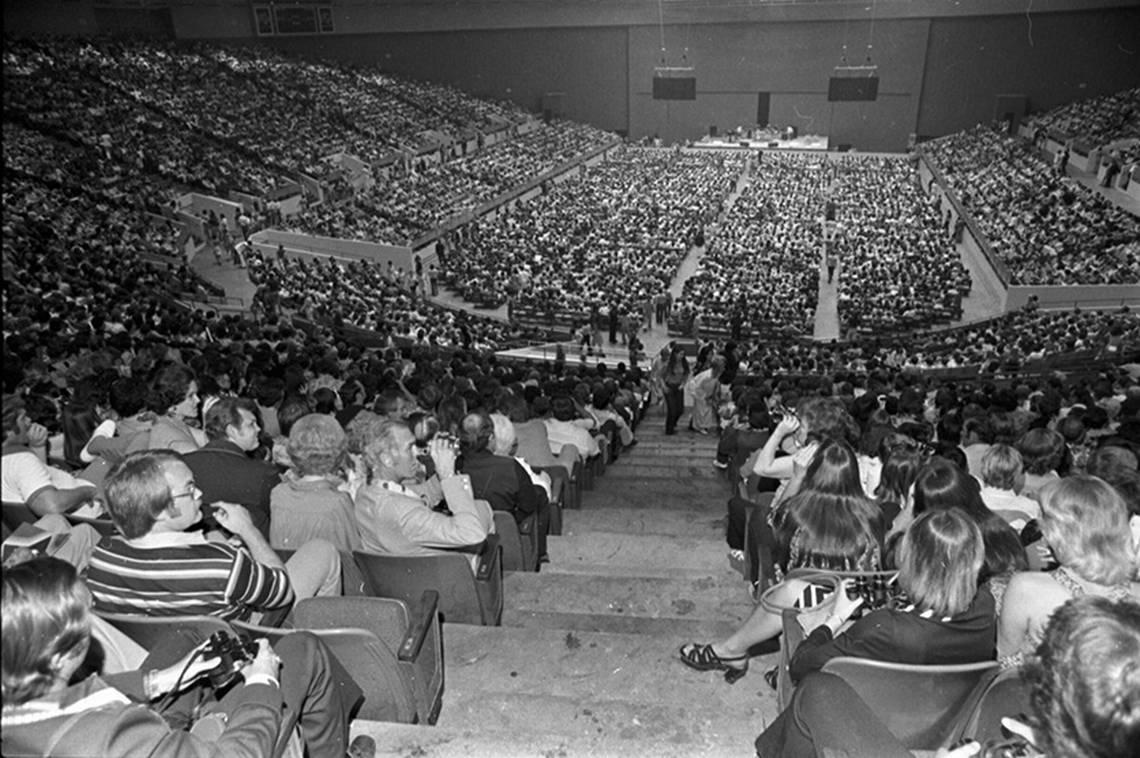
704 658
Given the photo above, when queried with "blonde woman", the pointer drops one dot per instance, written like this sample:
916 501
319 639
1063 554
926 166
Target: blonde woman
1085 522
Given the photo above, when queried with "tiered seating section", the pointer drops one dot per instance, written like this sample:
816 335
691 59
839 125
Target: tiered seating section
613 235
899 270
362 296
414 204
1098 121
1045 229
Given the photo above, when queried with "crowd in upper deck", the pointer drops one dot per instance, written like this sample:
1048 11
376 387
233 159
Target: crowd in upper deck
1046 229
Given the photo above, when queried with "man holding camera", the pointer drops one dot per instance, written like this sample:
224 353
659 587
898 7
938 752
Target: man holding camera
158 567
402 513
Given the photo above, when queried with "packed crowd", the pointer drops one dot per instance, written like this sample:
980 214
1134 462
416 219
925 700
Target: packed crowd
1098 121
57 89
202 461
612 235
74 277
226 439
368 297
409 206
299 444
759 228
1046 229
1005 344
138 110
899 269
963 514
298 112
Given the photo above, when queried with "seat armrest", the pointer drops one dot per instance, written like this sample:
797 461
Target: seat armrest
488 556
417 631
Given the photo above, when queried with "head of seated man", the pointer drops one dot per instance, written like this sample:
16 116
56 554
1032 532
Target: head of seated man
234 420
476 434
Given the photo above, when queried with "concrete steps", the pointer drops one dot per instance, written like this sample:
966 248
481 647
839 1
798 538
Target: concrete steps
705 522
691 606
596 694
627 554
407 741
585 663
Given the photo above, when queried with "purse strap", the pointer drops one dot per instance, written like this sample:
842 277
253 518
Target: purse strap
827 578
811 577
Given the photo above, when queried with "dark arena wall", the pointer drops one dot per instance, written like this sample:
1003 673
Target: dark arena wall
942 64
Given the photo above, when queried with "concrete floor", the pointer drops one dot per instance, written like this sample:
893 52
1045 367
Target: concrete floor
586 663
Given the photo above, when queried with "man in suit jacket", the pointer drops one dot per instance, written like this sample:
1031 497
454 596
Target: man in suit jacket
401 513
501 480
223 469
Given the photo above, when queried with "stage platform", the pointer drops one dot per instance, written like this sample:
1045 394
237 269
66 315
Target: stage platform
763 142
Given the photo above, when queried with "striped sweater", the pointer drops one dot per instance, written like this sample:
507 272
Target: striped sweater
182 574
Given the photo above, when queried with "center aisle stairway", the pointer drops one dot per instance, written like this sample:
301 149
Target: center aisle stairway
586 663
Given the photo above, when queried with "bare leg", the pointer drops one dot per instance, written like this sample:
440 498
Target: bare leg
762 625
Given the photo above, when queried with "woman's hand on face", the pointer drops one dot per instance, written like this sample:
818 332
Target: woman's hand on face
788 424
37 435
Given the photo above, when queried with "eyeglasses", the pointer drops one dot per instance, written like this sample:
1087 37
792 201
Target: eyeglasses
192 491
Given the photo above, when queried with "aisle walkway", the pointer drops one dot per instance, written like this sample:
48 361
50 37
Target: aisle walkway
987 296
233 279
826 326
585 664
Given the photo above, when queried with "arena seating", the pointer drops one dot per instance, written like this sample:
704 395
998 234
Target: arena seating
616 234
1047 230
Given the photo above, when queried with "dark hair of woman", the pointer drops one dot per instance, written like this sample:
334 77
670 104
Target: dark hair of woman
168 387
450 413
899 472
46 617
324 400
830 523
942 485
677 355
292 408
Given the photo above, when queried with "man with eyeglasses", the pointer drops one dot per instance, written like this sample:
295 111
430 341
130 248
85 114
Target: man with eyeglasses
159 566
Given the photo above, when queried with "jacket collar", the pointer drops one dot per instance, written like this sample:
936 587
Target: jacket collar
224 446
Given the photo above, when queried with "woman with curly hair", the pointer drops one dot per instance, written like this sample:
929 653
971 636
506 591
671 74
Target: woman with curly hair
174 398
313 502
